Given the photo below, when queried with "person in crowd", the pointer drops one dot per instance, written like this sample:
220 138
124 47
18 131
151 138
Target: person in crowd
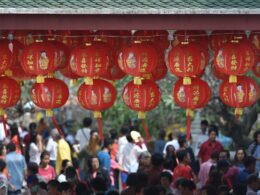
65 188
254 149
95 171
183 170
16 166
83 134
239 158
208 190
42 128
90 150
3 178
185 186
205 168
160 142
156 169
72 176
253 184
64 165
51 147
166 182
215 178
15 138
132 151
45 169
154 190
144 161
35 148
2 157
63 149
52 187
250 164
224 155
122 141
26 140
99 185
33 184
103 155
170 158
184 146
174 142
210 145
136 182
113 135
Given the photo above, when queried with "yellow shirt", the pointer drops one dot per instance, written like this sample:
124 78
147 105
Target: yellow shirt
63 153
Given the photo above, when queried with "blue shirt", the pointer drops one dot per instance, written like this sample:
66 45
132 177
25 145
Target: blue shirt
242 177
16 165
159 146
104 160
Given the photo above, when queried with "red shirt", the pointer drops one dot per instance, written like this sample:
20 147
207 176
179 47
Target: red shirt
182 171
207 148
48 174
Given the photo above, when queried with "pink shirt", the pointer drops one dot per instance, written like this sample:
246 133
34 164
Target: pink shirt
48 174
204 171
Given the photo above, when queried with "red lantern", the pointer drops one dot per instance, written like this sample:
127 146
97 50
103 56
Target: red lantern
53 93
186 60
234 59
138 60
90 61
67 72
256 68
97 97
191 97
238 95
39 59
217 74
142 98
5 57
114 72
218 38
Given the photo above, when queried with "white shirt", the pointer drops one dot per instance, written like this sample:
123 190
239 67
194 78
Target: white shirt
2 131
197 141
173 143
34 153
131 153
122 141
83 136
52 149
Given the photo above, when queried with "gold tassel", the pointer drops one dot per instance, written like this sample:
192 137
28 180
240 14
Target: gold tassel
189 112
141 115
232 79
238 111
97 114
49 113
137 81
2 112
186 81
148 76
9 73
40 79
88 81
51 75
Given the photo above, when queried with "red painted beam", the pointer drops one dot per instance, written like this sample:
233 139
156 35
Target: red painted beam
130 22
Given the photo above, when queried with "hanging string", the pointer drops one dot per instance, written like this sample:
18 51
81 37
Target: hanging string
100 127
4 125
146 130
188 127
56 125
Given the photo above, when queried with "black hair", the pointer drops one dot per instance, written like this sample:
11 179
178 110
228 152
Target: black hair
2 165
33 168
92 132
131 179
154 190
107 142
170 163
63 165
235 157
223 189
213 128
222 164
181 154
161 134
251 179
227 152
11 147
87 122
90 162
210 190
33 137
54 183
249 160
186 183
129 138
113 134
256 135
124 130
14 130
214 155
32 127
181 141
71 174
204 122
169 136
64 186
157 159
99 184
44 153
167 175
2 146
82 189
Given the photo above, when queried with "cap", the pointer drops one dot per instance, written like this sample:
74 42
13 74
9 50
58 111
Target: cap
135 135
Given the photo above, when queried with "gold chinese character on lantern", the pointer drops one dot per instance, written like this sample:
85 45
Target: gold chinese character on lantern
233 62
189 63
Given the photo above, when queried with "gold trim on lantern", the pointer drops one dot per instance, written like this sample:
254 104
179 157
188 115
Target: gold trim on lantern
239 111
49 113
9 73
186 81
232 79
137 80
40 79
51 75
88 81
141 115
189 112
148 76
2 111
97 114
185 42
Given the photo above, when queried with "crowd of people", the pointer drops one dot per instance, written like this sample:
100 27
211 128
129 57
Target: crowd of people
37 161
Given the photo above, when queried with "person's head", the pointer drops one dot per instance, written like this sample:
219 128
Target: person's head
82 189
98 184
182 141
33 183
55 134
170 164
94 136
11 147
94 163
144 160
170 150
154 190
124 130
87 122
65 188
134 137
45 158
240 155
161 134
108 143
2 165
224 155
53 186
176 134
32 169
113 134
186 186
257 137
2 150
65 164
166 179
213 133
214 156
208 190
215 176
14 130
252 182
223 166
250 163
157 160
32 127
204 125
183 156
71 175
223 190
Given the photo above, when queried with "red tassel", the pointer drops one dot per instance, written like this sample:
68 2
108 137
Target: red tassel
146 130
188 127
100 126
56 125
4 124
